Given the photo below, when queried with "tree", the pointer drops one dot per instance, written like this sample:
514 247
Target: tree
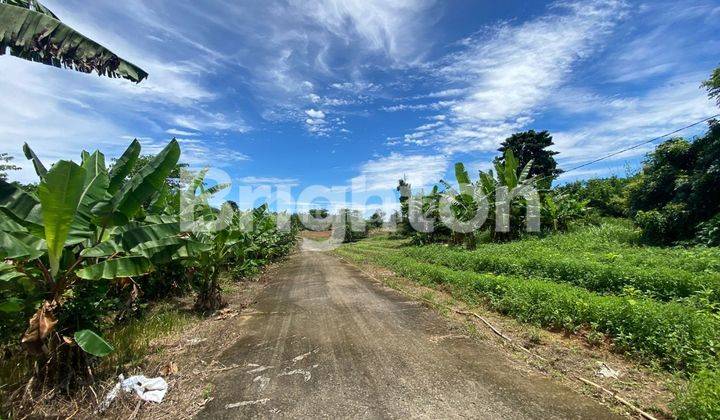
678 189
31 31
532 146
713 85
377 219
6 165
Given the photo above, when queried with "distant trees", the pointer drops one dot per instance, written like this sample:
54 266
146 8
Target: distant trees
6 165
606 196
318 213
377 219
532 146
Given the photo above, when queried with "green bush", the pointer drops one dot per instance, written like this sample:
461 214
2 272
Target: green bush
679 188
663 226
701 399
709 232
606 196
675 335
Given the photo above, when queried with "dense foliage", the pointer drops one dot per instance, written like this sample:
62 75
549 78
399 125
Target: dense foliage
677 195
605 196
79 253
532 146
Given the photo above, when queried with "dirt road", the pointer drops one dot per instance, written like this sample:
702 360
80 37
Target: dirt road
325 341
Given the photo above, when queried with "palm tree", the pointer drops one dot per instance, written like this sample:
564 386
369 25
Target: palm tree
31 31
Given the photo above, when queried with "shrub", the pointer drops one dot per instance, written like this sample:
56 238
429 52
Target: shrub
709 232
701 398
679 188
663 226
606 196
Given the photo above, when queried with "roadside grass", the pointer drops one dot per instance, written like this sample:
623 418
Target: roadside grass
701 398
660 305
133 341
602 258
672 335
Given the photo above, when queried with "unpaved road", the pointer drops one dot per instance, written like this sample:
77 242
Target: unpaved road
326 341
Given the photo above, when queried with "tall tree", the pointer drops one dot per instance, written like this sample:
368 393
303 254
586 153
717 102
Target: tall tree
532 146
31 31
6 165
713 85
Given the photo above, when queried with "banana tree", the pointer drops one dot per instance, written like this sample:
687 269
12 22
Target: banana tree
31 31
216 232
85 224
505 187
464 208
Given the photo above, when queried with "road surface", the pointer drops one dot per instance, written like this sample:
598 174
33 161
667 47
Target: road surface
327 342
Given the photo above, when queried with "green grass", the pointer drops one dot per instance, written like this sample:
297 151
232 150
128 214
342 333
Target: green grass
132 341
673 335
604 259
659 305
701 399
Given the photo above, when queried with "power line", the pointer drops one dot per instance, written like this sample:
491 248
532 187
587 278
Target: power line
635 146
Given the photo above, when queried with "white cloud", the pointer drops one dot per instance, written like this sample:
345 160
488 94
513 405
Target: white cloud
394 28
176 132
312 113
210 121
616 124
506 77
420 170
255 180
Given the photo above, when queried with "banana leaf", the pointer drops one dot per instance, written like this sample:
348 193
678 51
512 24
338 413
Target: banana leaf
133 237
147 182
60 194
34 33
30 155
123 166
92 343
116 268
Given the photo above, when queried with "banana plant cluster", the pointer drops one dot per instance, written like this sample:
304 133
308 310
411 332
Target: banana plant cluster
85 223
502 201
90 223
465 203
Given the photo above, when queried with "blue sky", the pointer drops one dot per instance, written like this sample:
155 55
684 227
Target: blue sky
326 92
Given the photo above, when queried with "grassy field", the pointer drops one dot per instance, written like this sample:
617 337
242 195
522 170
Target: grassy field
659 305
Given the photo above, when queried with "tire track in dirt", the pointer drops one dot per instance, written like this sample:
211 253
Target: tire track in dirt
333 344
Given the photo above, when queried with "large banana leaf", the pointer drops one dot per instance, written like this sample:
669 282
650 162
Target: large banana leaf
511 166
30 155
117 268
462 177
19 205
123 166
94 188
34 33
148 181
103 249
12 247
133 237
60 194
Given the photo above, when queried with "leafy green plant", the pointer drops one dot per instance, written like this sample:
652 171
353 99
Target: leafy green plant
701 398
673 334
75 230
